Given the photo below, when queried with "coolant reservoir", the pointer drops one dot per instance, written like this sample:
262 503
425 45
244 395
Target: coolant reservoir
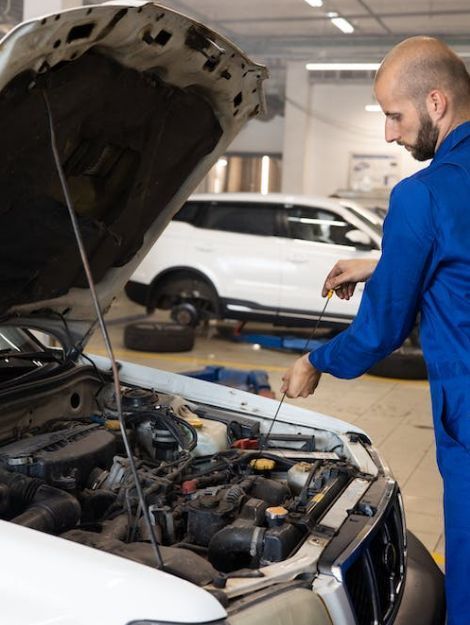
211 435
297 476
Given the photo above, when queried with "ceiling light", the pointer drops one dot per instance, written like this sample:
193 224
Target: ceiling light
315 3
373 108
343 24
337 67
332 14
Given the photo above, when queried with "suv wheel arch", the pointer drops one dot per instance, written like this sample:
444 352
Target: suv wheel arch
184 285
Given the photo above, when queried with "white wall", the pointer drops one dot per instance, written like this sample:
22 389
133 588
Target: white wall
35 8
333 124
338 126
260 137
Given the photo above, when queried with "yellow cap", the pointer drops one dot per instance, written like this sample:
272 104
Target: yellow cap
195 422
305 467
262 464
330 293
276 512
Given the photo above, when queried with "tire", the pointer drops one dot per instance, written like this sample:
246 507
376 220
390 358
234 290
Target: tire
148 336
406 363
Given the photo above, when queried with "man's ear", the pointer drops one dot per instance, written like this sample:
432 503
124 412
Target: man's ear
436 104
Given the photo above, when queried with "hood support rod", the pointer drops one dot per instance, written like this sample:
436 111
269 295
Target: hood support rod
104 332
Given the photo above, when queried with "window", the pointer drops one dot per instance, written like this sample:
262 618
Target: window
189 212
318 225
374 222
254 218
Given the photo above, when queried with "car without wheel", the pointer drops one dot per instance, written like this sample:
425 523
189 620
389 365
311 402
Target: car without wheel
250 256
128 495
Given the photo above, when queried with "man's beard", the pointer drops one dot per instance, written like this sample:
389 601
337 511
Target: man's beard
425 146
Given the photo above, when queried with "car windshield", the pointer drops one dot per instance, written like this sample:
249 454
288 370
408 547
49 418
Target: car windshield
23 356
17 340
375 222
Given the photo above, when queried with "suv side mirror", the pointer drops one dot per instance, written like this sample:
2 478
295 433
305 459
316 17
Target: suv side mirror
359 239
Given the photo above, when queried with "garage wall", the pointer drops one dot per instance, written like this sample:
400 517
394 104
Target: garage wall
260 137
338 126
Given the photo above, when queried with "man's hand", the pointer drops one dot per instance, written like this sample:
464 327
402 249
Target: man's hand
301 379
346 274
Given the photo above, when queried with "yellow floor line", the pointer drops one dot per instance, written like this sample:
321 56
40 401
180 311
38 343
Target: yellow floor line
438 558
194 360
379 378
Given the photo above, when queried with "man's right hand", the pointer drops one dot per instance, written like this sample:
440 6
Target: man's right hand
346 274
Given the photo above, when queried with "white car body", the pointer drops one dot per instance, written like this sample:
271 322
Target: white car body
277 276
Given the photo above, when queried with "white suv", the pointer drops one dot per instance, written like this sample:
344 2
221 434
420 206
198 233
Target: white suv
251 256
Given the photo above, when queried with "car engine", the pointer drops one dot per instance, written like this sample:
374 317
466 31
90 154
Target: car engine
222 498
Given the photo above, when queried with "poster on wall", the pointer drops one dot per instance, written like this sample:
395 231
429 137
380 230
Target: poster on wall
373 172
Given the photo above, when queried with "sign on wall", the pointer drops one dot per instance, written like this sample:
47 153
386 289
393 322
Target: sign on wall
371 172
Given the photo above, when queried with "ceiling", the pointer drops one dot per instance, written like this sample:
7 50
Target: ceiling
291 29
274 32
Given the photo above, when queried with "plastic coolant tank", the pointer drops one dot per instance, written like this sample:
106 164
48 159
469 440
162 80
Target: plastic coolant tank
211 436
297 476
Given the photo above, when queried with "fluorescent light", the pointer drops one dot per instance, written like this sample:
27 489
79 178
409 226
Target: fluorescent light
332 14
265 162
337 67
315 3
343 24
373 108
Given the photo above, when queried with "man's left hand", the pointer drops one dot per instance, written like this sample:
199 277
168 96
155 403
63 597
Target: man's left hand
301 379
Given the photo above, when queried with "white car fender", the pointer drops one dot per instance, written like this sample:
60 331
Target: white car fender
53 581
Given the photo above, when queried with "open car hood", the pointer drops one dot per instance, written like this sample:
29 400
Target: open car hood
144 100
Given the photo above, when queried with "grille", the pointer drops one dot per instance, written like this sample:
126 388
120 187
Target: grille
374 580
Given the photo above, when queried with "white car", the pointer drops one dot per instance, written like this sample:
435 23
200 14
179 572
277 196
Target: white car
131 496
252 256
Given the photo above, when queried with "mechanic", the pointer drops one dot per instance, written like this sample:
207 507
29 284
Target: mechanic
424 91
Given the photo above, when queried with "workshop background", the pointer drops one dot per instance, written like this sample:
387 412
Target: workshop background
322 134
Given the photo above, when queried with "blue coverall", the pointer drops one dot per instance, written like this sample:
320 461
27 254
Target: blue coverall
425 268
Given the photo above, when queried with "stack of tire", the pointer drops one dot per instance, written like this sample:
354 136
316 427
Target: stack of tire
151 336
406 363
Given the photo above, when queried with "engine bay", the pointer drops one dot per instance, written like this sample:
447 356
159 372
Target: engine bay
224 501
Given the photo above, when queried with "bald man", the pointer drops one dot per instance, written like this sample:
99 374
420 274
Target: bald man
424 91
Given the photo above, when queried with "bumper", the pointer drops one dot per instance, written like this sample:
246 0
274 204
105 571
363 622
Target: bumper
423 599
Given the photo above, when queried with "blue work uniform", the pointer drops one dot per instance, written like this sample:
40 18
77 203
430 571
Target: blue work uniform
425 268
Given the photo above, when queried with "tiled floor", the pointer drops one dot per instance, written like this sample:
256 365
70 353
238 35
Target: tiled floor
395 414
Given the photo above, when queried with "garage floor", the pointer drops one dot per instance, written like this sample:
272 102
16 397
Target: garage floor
395 413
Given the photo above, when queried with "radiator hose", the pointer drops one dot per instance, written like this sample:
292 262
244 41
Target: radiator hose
37 505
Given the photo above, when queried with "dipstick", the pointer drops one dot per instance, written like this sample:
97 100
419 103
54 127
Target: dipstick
328 297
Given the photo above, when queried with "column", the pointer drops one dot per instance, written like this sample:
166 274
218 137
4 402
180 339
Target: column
296 123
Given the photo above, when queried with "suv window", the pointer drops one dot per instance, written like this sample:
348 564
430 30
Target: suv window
188 212
254 218
318 225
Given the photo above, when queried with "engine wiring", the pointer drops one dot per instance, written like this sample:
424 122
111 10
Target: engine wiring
104 333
